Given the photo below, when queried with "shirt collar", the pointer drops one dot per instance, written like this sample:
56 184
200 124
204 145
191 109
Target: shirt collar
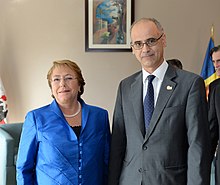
158 73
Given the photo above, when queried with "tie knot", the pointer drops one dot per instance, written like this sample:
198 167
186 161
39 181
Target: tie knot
150 78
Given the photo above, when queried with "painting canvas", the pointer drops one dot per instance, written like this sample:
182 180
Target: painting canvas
108 24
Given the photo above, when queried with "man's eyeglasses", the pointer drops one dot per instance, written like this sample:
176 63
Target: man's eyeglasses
149 42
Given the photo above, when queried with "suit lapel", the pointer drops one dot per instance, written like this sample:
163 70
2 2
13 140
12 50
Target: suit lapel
137 101
165 93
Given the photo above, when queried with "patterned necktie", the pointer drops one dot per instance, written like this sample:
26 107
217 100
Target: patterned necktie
149 102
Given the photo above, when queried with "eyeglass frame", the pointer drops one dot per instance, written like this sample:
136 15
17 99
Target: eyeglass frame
58 79
155 40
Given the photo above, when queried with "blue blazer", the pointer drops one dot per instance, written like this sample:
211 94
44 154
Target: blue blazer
50 153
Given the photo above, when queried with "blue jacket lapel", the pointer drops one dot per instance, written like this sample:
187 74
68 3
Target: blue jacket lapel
56 109
85 114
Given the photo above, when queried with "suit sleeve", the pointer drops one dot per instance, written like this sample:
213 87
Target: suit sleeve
212 115
198 135
27 152
118 141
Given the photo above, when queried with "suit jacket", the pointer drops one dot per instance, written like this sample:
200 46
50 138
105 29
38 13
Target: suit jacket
50 153
176 147
214 120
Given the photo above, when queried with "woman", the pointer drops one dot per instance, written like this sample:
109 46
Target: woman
66 142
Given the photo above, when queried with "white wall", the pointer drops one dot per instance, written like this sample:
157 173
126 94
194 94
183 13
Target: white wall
33 33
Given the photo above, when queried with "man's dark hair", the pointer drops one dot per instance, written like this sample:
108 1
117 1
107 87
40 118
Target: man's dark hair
215 49
175 63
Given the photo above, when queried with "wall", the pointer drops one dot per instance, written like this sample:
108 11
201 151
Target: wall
33 33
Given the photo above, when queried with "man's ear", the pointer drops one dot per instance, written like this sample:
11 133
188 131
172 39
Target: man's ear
164 40
132 50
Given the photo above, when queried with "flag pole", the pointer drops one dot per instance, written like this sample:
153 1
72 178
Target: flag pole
212 32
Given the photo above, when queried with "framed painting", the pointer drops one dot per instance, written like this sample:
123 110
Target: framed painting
107 25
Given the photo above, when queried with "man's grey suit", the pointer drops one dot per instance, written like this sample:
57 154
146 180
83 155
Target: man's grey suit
176 148
214 119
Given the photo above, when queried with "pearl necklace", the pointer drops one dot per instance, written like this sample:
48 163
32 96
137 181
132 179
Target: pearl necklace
73 115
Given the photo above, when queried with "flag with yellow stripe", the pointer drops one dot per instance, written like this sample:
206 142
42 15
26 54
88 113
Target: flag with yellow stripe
208 70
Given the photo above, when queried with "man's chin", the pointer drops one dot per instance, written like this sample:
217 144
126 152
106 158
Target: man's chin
218 72
147 60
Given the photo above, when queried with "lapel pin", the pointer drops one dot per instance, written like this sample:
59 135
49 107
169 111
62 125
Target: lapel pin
169 88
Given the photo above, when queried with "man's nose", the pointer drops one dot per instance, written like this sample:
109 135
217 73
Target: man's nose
145 46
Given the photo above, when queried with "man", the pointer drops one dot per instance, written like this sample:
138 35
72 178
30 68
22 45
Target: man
214 111
174 148
175 62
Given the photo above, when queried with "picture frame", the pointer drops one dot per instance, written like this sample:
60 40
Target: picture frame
107 25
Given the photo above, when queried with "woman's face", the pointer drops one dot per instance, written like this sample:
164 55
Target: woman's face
64 85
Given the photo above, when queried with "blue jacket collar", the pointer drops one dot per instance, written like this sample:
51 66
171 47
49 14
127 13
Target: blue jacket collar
85 111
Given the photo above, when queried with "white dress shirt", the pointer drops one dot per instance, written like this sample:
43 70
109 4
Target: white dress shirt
159 75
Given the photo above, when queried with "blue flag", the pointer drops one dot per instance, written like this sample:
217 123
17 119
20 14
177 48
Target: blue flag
208 69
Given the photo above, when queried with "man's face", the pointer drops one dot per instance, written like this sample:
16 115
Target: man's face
150 57
216 61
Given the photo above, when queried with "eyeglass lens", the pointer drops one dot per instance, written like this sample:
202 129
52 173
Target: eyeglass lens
149 42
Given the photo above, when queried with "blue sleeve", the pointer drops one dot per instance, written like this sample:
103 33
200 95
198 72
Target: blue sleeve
107 146
27 152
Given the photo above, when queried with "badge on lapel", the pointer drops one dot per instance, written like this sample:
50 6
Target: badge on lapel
169 88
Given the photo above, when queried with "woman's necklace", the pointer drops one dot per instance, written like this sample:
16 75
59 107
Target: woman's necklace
73 115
